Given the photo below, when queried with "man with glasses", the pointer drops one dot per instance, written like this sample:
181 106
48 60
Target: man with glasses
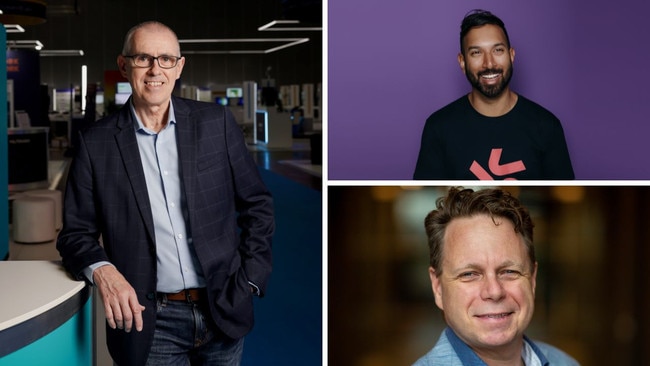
184 219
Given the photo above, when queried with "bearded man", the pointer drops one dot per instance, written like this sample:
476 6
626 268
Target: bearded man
492 132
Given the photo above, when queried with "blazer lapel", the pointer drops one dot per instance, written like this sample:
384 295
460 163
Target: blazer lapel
186 141
128 147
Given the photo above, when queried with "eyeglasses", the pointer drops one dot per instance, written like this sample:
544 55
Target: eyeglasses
144 60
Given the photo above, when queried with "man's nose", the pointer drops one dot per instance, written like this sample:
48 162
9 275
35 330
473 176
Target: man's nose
155 66
488 61
492 288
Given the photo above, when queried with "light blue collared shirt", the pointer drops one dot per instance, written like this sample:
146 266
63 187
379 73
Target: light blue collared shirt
530 353
178 266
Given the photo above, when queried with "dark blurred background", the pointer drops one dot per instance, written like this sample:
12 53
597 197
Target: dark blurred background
592 297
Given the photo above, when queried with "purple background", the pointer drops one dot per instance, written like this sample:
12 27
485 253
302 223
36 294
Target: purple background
393 63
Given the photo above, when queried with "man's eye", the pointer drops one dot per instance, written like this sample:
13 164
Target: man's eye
165 58
499 50
475 53
143 58
466 276
510 274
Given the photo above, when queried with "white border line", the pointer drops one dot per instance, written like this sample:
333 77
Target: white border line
324 182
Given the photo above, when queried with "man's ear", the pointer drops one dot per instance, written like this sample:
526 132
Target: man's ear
436 287
461 62
121 64
179 67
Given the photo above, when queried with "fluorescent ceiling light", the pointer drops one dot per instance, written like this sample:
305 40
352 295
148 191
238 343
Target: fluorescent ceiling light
286 42
14 28
84 86
281 26
35 44
47 53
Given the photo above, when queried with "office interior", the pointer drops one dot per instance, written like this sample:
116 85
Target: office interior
261 58
592 245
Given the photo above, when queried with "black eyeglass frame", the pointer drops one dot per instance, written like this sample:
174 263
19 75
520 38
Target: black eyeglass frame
152 58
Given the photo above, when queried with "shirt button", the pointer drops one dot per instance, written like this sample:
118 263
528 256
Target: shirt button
180 236
165 172
172 205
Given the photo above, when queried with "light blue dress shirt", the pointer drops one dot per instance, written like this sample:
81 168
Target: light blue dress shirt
178 266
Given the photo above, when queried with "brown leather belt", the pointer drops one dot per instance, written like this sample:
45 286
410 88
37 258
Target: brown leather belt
189 295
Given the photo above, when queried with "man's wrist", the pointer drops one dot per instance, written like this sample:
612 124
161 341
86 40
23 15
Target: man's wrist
90 270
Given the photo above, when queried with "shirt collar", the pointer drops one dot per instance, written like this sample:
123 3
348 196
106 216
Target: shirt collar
469 358
536 351
139 126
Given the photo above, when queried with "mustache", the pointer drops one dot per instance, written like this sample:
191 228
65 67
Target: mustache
490 71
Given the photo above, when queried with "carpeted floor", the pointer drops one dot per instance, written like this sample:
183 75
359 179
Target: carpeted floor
288 328
306 166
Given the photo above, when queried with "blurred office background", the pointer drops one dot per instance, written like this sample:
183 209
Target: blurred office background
261 58
593 288
226 35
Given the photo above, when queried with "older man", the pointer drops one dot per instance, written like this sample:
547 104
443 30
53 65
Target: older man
184 217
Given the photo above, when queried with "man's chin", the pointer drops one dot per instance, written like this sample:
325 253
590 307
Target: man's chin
492 93
496 340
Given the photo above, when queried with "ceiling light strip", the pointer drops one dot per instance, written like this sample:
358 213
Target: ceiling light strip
271 26
238 40
47 53
14 28
274 22
227 52
36 44
287 29
290 42
297 42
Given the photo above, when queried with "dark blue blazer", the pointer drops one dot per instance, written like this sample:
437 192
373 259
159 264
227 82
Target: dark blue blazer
230 216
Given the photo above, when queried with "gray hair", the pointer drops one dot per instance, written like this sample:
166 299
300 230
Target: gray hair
128 39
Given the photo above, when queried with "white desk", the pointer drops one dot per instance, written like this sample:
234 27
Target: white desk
37 298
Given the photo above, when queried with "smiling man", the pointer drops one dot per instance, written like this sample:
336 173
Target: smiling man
184 218
491 133
482 271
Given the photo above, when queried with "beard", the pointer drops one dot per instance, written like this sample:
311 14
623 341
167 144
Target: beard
490 91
